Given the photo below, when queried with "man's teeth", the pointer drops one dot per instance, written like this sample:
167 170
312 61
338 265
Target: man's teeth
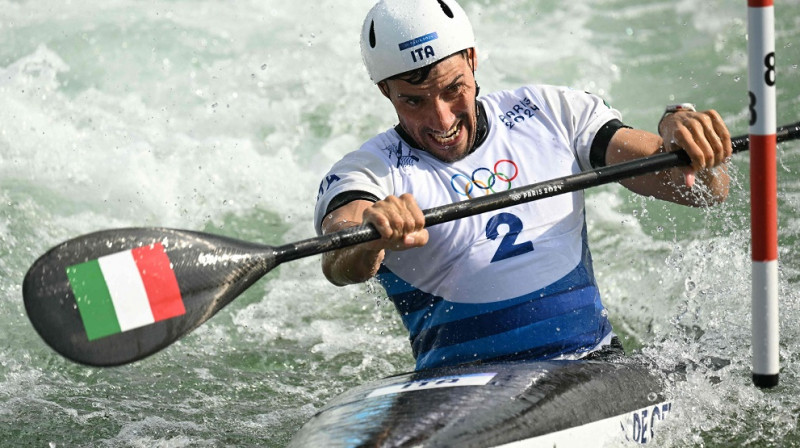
448 137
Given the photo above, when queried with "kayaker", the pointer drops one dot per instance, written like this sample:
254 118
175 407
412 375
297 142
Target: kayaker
512 284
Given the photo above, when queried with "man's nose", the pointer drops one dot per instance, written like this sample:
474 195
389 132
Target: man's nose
441 117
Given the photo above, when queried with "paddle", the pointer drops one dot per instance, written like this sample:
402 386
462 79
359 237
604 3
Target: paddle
210 271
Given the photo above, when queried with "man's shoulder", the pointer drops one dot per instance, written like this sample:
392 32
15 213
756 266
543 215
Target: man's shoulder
379 141
381 153
555 101
542 92
380 146
535 89
530 95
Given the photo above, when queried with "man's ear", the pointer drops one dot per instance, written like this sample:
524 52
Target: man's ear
384 89
472 57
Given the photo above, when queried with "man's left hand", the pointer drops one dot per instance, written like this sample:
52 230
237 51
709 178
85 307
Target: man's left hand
703 135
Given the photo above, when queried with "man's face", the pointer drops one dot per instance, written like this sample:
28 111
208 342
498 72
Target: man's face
439 114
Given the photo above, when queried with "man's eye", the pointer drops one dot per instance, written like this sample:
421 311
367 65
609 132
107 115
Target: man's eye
454 89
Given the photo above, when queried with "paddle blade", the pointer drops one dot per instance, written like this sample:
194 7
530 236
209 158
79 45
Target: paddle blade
116 296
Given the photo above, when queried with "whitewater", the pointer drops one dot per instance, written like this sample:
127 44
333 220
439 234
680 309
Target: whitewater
223 117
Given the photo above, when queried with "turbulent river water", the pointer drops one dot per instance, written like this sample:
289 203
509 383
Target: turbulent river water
223 116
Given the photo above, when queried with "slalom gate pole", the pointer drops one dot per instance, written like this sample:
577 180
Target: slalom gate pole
763 191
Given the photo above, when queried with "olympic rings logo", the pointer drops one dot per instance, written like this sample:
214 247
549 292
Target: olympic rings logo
485 179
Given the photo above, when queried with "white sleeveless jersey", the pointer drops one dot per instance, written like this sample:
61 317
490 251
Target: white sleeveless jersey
514 282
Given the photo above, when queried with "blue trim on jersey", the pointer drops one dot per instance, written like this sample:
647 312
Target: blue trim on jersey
553 337
534 309
415 305
407 298
567 316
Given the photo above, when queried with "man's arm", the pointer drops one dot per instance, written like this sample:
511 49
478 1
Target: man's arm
400 222
703 135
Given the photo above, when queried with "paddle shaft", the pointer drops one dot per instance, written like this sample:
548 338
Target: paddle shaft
212 270
451 212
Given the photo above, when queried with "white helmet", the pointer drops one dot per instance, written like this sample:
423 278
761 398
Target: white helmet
403 35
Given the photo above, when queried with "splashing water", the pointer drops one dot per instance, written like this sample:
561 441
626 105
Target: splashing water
223 118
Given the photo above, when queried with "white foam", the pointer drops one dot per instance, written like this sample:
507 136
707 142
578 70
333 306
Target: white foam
185 114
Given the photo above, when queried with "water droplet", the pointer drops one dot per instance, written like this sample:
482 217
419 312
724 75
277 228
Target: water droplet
263 66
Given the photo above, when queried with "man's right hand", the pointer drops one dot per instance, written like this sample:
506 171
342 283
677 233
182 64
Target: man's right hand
400 222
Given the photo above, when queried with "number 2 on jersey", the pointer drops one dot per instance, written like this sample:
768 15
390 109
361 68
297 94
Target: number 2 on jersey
508 245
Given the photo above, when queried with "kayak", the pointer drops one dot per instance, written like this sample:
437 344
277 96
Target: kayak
528 403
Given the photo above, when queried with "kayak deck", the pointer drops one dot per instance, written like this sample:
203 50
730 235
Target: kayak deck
561 402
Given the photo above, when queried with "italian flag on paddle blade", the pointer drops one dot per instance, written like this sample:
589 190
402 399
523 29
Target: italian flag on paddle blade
125 290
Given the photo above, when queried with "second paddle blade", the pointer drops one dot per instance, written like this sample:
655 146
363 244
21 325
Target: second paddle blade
116 296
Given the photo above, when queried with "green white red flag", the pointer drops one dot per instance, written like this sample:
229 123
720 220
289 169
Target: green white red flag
125 290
